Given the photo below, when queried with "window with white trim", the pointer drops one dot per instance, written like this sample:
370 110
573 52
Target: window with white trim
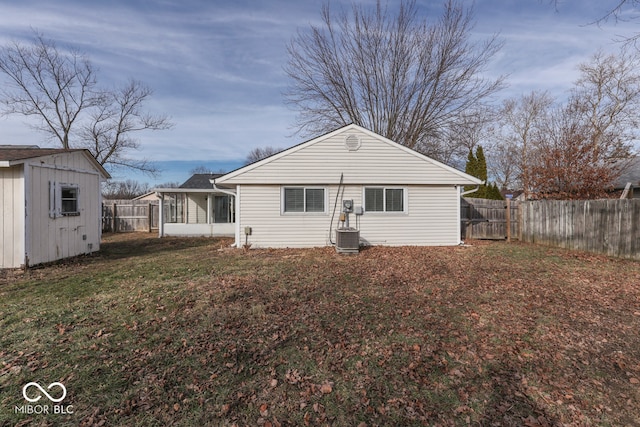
303 200
63 199
384 199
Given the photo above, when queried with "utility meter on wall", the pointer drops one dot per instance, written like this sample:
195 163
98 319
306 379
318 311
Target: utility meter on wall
347 206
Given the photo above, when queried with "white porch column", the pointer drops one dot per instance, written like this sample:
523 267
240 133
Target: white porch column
161 215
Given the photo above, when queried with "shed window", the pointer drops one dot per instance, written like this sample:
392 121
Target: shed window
381 199
64 199
302 199
69 198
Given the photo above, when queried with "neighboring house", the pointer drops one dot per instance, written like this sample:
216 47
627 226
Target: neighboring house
147 197
288 199
196 209
630 175
50 204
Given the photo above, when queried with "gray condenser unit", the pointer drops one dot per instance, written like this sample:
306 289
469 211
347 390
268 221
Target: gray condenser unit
347 240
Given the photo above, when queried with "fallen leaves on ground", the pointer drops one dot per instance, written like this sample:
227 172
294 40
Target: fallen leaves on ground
491 334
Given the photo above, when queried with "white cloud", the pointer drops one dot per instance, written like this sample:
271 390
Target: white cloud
216 67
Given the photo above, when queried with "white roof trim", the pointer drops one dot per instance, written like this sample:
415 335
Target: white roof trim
184 190
346 128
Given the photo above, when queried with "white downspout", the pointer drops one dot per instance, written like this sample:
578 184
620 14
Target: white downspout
236 197
161 215
473 190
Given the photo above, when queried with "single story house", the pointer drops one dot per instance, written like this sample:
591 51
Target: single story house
196 209
50 204
294 198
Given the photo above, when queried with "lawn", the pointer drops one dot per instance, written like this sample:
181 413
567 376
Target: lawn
186 332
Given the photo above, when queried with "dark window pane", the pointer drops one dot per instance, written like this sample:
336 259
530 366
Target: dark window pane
373 199
69 199
395 200
315 200
294 199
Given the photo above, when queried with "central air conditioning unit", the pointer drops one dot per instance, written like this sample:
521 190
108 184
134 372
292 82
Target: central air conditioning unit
348 240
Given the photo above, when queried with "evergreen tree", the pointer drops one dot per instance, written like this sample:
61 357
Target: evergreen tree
481 164
471 168
477 166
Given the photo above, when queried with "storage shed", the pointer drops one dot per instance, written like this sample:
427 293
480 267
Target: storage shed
50 204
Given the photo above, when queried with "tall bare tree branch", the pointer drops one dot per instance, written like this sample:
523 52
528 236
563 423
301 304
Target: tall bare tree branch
59 90
405 79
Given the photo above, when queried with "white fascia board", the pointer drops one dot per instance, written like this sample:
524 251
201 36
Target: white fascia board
466 179
281 154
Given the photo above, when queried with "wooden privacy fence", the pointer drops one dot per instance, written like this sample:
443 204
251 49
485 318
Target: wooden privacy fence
129 215
610 227
487 219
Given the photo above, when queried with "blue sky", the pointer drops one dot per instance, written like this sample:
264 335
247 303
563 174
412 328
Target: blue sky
216 66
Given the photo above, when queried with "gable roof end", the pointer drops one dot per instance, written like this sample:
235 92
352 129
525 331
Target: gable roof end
463 178
15 155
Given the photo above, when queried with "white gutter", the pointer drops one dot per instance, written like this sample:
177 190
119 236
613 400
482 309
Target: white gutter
222 190
470 191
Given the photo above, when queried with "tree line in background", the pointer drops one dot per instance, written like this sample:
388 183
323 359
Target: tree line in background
419 82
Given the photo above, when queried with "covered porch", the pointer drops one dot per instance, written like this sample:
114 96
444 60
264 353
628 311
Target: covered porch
196 212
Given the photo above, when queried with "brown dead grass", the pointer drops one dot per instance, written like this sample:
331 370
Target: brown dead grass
186 332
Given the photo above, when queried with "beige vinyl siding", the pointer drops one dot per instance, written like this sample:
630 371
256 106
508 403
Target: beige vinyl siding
260 209
12 247
197 209
50 239
431 218
375 162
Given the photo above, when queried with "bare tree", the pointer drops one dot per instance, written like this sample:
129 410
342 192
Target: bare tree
608 95
567 165
108 134
49 85
576 149
127 189
520 121
402 78
60 90
619 11
260 153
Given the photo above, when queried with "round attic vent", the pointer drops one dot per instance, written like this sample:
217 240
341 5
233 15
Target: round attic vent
352 142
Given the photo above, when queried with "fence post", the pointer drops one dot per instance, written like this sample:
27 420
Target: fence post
520 220
508 219
115 223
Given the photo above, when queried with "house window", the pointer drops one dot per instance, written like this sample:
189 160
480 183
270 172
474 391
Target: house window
303 199
381 199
